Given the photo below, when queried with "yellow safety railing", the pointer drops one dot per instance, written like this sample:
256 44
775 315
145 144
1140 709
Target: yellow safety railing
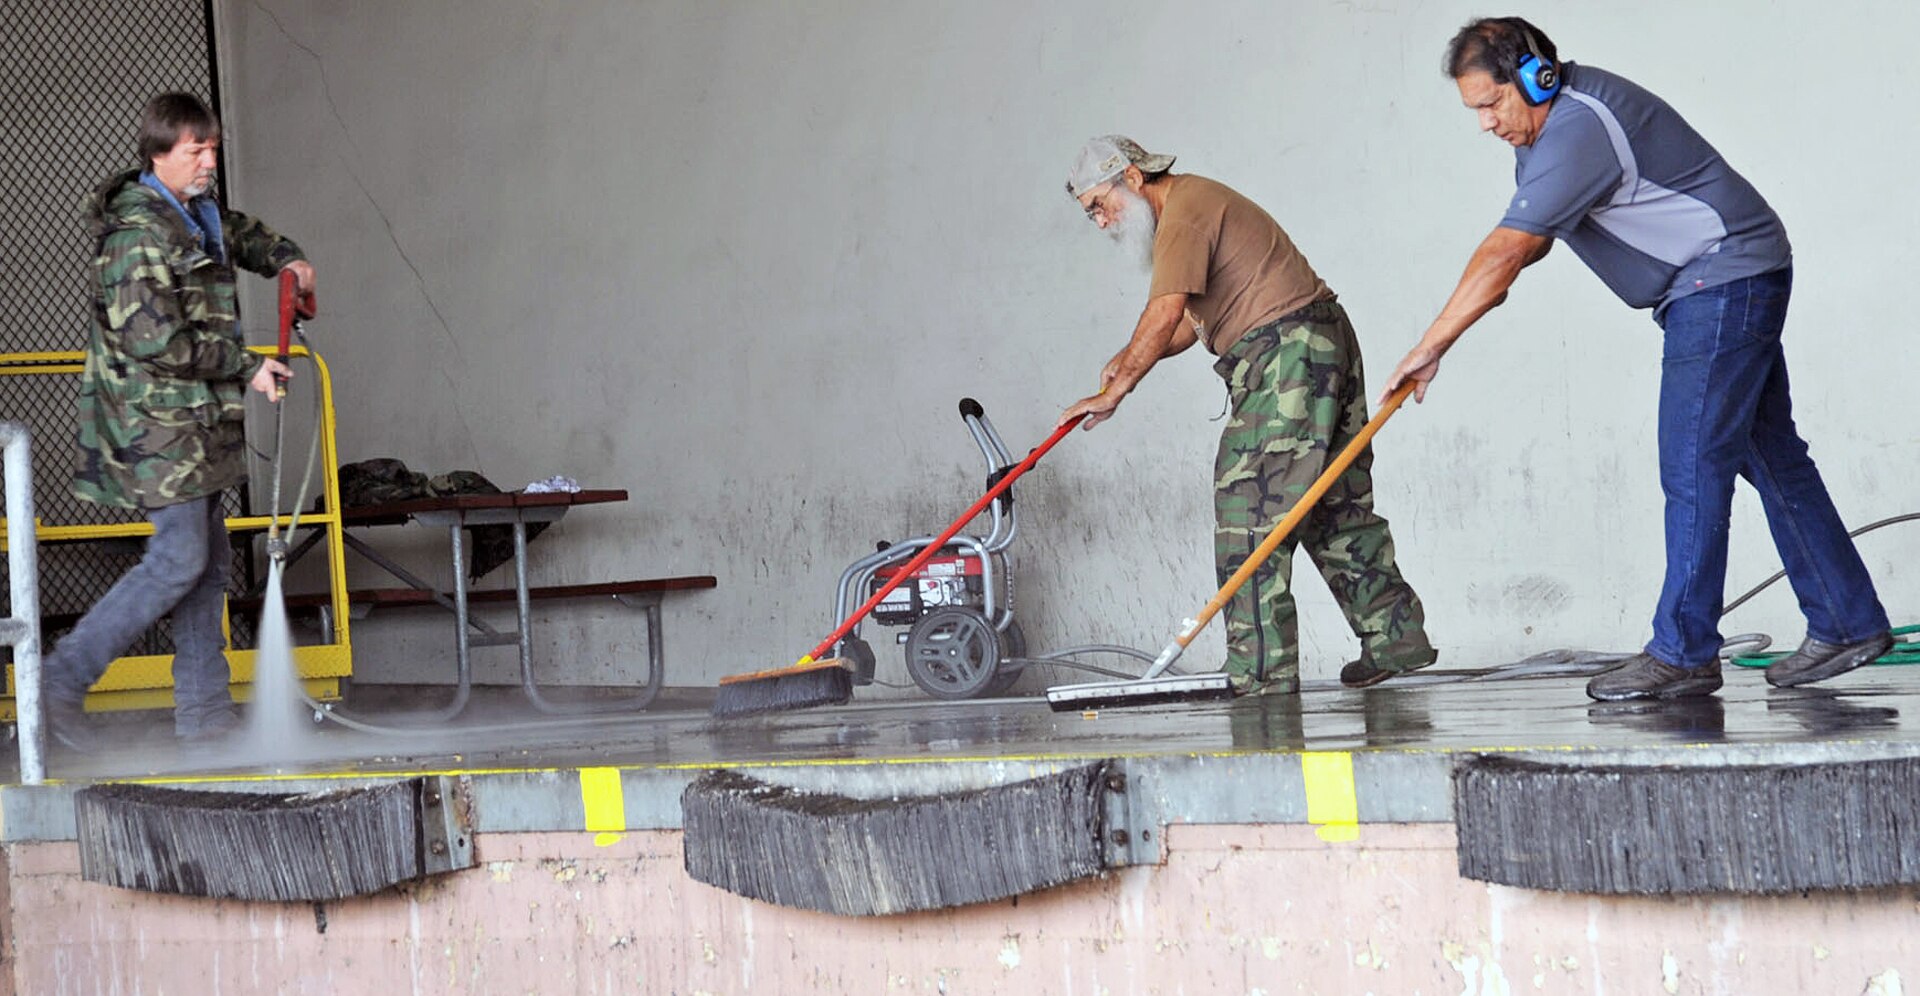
146 681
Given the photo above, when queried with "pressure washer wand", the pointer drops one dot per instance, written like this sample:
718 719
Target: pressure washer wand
294 306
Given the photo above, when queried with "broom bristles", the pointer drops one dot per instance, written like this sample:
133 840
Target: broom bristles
804 687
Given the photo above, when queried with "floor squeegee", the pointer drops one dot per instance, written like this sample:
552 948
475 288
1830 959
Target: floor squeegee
1156 685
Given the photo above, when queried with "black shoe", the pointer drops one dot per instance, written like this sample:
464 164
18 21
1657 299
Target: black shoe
1245 685
1363 672
67 722
1644 676
1816 661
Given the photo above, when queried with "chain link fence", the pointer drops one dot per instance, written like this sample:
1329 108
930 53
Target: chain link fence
74 74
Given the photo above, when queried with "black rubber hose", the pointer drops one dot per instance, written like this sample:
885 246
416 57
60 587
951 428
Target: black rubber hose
1762 586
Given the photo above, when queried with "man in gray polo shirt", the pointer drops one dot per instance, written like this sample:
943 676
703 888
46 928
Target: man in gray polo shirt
1657 214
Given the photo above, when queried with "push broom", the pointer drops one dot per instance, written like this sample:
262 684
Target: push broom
817 679
1156 686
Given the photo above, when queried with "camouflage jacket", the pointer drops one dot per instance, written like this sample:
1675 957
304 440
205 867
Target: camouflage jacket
162 397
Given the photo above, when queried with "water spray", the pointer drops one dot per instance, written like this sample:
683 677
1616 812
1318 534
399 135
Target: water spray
276 683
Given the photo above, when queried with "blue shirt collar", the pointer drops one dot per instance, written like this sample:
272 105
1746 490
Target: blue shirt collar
201 214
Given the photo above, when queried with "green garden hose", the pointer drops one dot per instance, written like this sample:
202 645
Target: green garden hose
1906 639
1906 650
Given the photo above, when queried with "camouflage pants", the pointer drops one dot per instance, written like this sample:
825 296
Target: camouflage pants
1298 397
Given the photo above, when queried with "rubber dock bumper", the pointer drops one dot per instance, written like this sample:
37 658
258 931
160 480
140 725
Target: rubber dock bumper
1692 828
834 854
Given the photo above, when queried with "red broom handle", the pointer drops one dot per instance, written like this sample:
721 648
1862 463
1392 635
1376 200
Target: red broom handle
920 559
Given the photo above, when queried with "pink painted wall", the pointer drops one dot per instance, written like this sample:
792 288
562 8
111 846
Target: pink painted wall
1234 910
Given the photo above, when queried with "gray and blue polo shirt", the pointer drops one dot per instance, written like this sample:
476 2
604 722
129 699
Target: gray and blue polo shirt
1639 196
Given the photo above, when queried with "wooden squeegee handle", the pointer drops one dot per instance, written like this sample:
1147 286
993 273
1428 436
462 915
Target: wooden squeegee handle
1287 523
931 549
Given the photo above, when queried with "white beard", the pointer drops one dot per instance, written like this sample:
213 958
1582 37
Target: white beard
1133 230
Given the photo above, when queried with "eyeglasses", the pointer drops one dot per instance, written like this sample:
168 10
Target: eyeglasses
1095 204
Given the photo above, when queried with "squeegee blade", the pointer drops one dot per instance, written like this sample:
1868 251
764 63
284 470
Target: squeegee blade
1109 694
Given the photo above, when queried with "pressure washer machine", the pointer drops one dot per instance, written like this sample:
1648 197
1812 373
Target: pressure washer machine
962 640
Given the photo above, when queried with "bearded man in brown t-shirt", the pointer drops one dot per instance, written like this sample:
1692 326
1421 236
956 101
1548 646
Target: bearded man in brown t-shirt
1227 276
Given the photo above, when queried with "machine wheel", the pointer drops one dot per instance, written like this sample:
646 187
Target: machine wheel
1013 651
953 653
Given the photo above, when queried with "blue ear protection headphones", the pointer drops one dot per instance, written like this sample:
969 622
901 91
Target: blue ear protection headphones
1538 79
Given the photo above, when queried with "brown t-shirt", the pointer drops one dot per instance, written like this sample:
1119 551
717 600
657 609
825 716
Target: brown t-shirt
1232 260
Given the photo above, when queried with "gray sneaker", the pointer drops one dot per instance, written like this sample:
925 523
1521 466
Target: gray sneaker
67 722
1816 661
1644 676
208 727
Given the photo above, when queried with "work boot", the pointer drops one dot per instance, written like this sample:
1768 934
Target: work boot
1644 676
67 721
1364 672
1244 684
1817 661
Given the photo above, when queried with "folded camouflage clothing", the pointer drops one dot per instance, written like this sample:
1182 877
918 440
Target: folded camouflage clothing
384 479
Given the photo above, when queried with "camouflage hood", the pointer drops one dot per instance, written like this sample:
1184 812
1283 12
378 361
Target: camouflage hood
161 396
122 201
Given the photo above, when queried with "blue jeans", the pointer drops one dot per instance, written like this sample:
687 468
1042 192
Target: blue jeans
182 574
1725 410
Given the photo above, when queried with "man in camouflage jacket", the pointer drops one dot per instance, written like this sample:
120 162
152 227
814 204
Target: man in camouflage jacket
161 408
1226 275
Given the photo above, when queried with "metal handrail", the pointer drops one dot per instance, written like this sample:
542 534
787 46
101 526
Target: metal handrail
140 674
22 629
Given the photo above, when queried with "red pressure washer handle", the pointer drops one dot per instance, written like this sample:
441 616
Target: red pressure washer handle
927 552
294 305
289 293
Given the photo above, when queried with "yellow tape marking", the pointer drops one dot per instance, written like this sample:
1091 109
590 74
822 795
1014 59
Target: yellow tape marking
1332 804
605 804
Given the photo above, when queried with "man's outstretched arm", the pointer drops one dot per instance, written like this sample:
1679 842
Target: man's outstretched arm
1161 332
1495 265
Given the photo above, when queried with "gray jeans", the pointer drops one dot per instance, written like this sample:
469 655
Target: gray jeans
183 574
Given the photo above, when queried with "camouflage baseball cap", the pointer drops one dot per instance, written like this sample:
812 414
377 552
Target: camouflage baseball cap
1108 156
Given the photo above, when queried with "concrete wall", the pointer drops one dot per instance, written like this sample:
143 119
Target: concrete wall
1254 910
742 259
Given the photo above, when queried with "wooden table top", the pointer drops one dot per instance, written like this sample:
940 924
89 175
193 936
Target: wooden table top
401 511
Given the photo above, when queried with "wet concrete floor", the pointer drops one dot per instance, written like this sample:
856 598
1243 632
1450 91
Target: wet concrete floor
1437 712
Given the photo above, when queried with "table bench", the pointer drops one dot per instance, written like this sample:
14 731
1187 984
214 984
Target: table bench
455 513
402 597
644 595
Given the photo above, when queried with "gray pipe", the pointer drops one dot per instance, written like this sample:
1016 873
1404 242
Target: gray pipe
22 631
